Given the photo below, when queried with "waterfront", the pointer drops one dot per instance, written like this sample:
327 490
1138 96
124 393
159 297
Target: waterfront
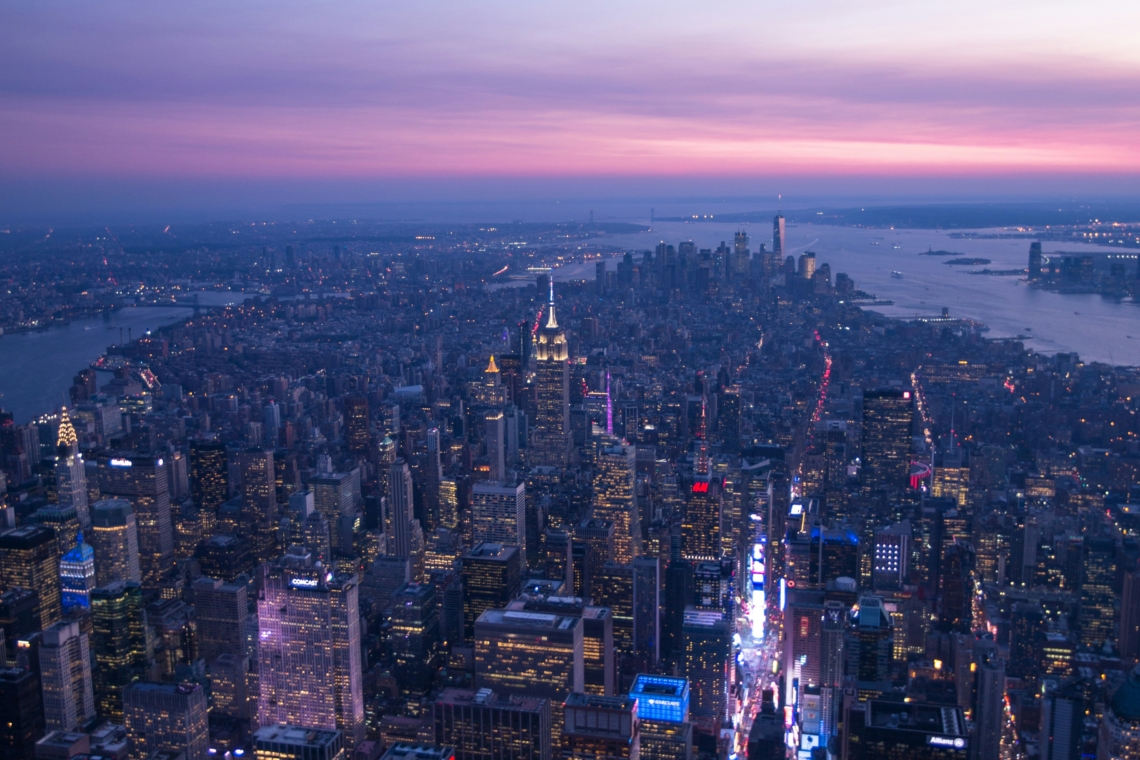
1099 329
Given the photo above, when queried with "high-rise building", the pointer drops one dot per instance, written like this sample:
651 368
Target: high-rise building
1063 707
495 438
886 441
1035 261
661 697
529 654
413 624
803 658
357 433
706 653
878 729
615 500
209 474
29 558
65 677
700 529
550 444
778 238
70 471
259 501
221 610
166 716
951 478
285 742
871 649
1130 617
19 615
989 716
1119 736
230 683
596 538
309 655
482 725
407 533
118 643
21 713
114 540
491 575
77 576
1097 608
433 480
600 728
143 481
498 514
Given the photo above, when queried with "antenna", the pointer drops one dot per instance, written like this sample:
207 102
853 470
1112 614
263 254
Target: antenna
552 288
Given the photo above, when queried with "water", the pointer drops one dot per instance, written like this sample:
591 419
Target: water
37 368
1097 328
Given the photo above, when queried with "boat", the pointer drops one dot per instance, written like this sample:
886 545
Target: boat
896 274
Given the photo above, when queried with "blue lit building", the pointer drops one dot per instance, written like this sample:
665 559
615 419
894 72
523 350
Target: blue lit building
661 698
77 576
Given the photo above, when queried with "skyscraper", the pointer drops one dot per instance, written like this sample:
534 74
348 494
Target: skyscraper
118 643
115 542
259 501
407 533
309 656
167 716
1097 608
481 725
1130 617
778 237
77 576
615 501
221 611
700 529
600 728
496 445
29 558
142 480
990 713
209 474
529 654
886 441
70 471
550 444
356 424
413 619
433 480
491 574
706 649
498 514
65 677
21 713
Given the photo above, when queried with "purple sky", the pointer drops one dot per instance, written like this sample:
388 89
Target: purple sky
129 101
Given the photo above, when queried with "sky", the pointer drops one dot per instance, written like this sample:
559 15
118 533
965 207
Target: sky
153 106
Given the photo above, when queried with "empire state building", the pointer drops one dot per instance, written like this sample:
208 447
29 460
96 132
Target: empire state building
551 444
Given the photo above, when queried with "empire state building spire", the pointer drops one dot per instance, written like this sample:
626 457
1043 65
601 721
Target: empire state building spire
551 322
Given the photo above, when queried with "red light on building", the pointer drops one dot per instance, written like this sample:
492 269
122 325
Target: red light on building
700 487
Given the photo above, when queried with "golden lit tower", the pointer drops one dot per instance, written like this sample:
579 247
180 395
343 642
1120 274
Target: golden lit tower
614 499
551 442
70 474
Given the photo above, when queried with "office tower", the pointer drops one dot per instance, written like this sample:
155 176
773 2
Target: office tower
405 527
598 655
955 606
225 556
728 421
357 433
29 558
449 504
892 557
872 642
1035 260
1097 610
807 265
700 529
271 420
19 616
834 555
615 500
166 716
259 501
1026 640
491 575
230 685
778 236
482 725
115 542
663 712
596 537
1119 735
284 742
77 576
498 514
142 480
803 637
309 656
529 654
209 474
600 728
558 563
1130 617
833 664
647 602
612 587
21 713
222 612
766 739
65 677
990 714
494 436
878 729
550 444
706 652
70 471
433 478
1063 707
886 441
118 642
951 478
413 620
